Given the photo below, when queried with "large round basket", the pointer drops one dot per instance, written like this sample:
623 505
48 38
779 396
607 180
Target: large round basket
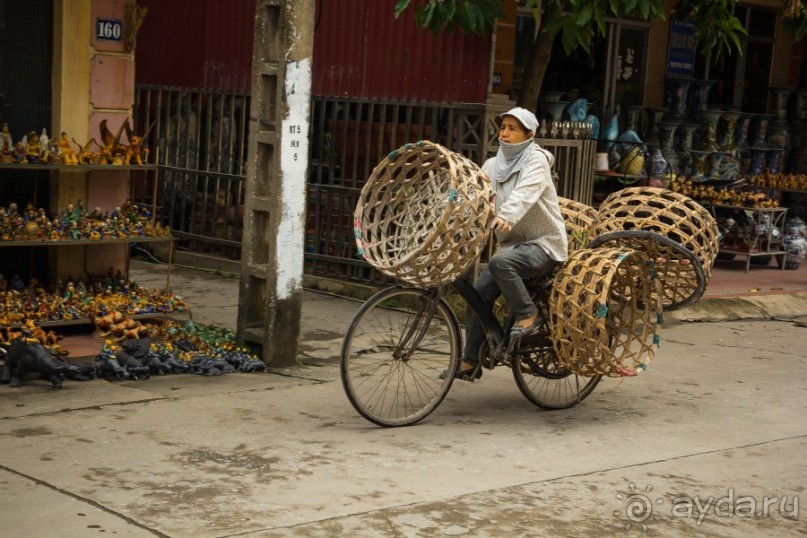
422 215
579 219
602 315
680 272
672 215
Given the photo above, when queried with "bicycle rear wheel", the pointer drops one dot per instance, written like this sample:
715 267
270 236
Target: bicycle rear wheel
544 381
397 345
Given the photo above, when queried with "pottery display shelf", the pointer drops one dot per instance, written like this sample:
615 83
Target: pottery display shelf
9 170
149 169
762 244
177 315
97 242
174 315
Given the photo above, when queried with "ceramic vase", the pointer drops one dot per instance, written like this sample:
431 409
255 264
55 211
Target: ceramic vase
666 134
708 140
700 96
699 171
677 96
654 115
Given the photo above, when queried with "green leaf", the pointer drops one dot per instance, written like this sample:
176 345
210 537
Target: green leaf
473 15
400 7
449 9
428 13
584 15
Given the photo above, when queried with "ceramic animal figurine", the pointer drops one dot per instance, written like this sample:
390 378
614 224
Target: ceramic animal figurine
85 156
135 150
134 18
111 147
26 355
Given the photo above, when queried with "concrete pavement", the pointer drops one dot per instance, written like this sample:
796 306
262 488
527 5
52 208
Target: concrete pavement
714 426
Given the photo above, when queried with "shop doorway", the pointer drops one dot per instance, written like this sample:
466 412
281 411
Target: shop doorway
611 76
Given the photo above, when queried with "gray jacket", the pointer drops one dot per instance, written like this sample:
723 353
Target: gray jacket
527 199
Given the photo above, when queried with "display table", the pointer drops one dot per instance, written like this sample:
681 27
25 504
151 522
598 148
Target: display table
745 240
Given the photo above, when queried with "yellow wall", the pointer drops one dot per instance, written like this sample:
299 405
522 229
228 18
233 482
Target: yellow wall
91 80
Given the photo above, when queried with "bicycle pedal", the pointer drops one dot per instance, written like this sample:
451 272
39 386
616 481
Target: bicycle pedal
534 340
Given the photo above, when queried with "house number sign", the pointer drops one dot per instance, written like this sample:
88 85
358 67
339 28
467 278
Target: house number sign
108 29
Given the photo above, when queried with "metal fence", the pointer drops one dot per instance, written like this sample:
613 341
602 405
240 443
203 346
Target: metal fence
199 140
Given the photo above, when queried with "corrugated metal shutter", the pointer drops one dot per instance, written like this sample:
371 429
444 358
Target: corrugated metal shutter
203 44
361 50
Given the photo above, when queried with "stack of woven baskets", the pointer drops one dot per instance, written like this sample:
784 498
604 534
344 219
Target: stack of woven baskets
603 326
422 218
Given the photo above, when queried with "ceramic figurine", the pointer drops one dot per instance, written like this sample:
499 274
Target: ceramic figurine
34 153
26 355
134 20
6 145
19 153
68 155
135 152
111 150
85 156
16 283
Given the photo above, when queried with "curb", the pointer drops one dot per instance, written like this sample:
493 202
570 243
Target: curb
778 306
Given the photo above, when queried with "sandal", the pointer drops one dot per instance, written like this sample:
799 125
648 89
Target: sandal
519 332
466 374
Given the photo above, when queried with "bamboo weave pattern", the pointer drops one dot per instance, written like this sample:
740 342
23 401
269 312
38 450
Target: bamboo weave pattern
602 318
579 219
665 212
422 215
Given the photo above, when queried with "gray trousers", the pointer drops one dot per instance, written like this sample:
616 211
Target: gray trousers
504 275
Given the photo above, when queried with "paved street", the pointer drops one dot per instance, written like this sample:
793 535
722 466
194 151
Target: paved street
713 431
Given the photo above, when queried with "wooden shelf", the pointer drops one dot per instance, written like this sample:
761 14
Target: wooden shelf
161 316
92 242
79 167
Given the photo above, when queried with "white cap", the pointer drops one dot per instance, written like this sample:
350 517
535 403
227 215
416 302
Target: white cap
527 118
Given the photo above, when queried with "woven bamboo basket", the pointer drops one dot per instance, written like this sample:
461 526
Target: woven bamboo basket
422 216
668 214
680 272
579 219
602 316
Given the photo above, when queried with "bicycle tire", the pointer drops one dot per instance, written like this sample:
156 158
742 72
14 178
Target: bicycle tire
543 380
387 384
682 275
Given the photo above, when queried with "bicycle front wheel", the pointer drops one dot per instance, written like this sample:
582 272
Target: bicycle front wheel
397 345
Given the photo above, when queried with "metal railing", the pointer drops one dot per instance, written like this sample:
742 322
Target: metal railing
199 140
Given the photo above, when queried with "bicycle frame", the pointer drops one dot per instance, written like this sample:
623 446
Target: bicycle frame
499 343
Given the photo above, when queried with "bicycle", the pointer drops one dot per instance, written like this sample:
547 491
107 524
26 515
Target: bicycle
402 338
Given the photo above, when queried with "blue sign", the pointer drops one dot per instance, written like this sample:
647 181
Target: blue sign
681 57
108 29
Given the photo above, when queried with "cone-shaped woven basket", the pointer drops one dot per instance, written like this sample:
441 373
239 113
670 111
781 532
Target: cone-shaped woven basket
579 219
672 215
602 316
422 215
